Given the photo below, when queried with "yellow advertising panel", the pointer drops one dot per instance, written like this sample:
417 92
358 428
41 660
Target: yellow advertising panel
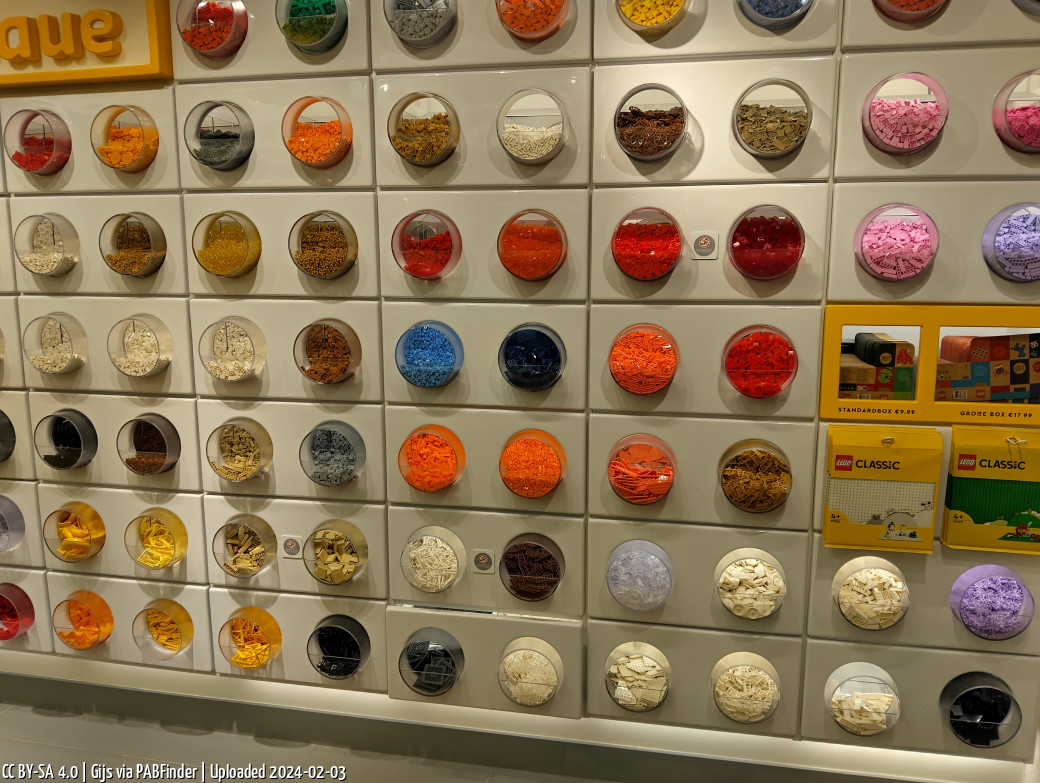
866 354
76 41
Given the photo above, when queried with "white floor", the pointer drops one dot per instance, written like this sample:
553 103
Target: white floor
42 736
51 722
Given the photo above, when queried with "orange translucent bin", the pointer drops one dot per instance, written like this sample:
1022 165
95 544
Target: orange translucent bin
124 138
432 458
83 620
532 464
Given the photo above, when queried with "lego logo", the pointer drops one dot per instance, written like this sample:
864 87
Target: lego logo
842 462
966 461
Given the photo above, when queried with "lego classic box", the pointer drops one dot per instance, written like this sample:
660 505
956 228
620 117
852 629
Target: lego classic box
993 493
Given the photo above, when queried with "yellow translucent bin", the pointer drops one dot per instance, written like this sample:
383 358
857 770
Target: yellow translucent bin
163 630
74 532
250 639
156 538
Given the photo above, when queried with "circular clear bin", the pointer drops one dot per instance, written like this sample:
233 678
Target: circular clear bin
650 123
8 437
421 23
327 351
772 118
531 567
755 476
74 532
638 676
429 355
12 525
532 20
323 245
226 244
338 647
992 602
239 450
55 344
760 362
532 464
905 113
746 687
909 12
333 454
530 671
643 359
774 16
532 357
65 440
423 128
140 346
245 546
750 583
862 698
37 141
336 552
1011 243
432 558
431 662
149 444
47 245
133 244
896 242
532 245
871 593
980 710
215 29
532 127
233 349
427 245
17 615
766 242
1016 109
639 575
312 26
641 469
651 17
219 135
647 244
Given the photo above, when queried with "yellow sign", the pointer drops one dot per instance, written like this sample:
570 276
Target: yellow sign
937 398
71 41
